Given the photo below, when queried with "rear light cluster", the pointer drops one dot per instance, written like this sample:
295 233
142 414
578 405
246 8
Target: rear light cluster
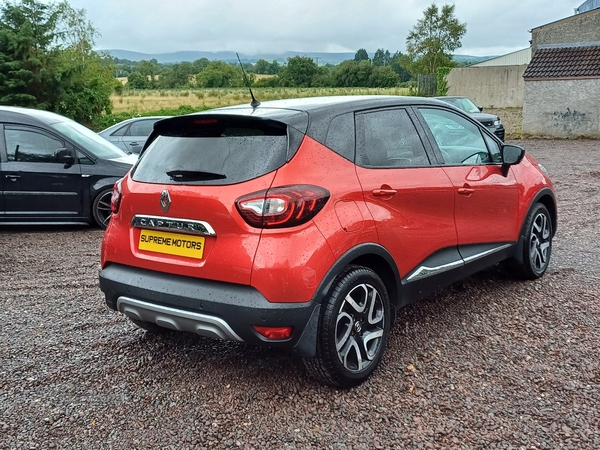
282 207
115 199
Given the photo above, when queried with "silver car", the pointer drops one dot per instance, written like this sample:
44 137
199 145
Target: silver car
131 134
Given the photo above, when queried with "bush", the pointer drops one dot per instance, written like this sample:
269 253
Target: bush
442 84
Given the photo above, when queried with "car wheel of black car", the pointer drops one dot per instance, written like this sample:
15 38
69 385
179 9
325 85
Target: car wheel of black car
354 328
101 208
537 246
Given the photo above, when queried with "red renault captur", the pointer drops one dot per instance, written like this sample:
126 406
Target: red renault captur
307 223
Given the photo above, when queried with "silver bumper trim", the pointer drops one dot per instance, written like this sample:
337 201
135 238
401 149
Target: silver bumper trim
177 319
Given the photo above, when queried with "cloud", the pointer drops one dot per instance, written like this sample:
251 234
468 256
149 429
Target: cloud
272 26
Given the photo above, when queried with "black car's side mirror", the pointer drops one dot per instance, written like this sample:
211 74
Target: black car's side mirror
65 156
511 155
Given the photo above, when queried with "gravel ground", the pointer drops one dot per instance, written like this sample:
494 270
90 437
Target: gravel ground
489 363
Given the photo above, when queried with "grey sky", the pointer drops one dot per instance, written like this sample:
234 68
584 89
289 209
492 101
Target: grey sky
274 26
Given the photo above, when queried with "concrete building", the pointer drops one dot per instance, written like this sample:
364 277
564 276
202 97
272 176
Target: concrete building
562 82
495 83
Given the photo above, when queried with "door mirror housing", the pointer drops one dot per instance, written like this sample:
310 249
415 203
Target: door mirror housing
65 156
511 155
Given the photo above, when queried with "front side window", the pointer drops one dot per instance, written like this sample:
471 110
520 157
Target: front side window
389 139
460 141
31 145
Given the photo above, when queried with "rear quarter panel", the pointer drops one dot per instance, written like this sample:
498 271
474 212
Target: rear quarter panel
291 263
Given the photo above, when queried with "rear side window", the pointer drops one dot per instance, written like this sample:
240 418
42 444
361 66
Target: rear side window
340 136
212 150
141 128
389 139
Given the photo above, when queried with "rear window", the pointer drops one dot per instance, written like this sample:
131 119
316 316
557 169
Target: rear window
212 150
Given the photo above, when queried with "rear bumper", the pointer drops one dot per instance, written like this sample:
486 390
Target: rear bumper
209 308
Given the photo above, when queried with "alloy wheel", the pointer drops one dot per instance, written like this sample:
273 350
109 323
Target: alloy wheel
102 210
539 242
360 327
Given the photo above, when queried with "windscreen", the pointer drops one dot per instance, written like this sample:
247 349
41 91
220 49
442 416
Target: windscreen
88 140
213 151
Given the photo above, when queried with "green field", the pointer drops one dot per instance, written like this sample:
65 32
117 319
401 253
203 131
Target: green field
148 101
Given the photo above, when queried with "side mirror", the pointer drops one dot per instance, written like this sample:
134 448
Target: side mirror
480 108
511 155
64 155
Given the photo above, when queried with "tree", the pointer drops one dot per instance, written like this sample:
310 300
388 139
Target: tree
27 53
137 80
299 72
47 62
381 57
346 74
220 74
180 75
361 55
200 64
263 66
433 39
149 71
399 63
383 77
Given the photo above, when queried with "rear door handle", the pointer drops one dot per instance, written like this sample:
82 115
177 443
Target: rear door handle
13 177
466 191
384 192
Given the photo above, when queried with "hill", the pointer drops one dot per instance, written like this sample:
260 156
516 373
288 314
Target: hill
176 57
320 57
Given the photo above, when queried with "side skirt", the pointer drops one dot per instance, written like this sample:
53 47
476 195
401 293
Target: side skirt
450 265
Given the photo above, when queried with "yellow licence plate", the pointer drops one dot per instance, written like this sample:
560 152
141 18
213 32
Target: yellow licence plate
171 243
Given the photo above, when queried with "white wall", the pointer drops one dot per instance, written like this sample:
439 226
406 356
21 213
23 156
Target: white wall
497 87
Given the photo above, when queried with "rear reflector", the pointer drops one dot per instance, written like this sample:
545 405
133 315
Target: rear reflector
275 333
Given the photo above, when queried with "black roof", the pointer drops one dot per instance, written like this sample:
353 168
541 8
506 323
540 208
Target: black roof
312 115
338 104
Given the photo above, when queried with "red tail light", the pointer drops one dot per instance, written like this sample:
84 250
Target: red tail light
115 199
282 207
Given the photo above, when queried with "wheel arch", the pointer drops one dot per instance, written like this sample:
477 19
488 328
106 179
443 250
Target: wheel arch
547 198
376 258
103 184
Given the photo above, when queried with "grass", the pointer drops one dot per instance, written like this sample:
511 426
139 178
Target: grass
150 101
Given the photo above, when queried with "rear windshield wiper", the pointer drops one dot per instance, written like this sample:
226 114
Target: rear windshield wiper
194 175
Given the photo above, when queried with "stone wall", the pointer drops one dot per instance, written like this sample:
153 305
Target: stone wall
583 27
562 109
490 87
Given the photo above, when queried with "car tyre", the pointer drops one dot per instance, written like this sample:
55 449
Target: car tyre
101 208
353 330
537 244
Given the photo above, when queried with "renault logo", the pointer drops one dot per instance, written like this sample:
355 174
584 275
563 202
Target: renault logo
165 200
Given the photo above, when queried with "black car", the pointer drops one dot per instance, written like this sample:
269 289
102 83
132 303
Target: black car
54 170
490 121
